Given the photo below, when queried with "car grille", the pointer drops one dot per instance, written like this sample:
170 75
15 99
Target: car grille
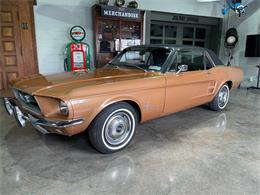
27 100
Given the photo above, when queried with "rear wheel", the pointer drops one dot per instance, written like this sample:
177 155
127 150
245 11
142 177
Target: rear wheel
113 128
220 101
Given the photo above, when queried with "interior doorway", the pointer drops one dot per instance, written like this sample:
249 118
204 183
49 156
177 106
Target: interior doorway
17 41
183 29
181 34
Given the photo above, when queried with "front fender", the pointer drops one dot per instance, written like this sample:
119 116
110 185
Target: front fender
90 108
117 99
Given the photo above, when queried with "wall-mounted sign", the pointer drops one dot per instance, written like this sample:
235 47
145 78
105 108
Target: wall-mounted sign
77 33
120 12
182 18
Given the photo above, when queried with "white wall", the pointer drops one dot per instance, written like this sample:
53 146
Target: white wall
192 7
53 19
249 23
53 24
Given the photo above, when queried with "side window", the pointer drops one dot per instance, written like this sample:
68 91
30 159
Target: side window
173 67
196 60
182 57
193 58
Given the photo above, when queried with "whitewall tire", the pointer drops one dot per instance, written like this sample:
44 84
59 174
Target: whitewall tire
114 128
221 99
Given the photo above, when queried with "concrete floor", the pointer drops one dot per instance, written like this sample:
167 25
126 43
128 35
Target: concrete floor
197 151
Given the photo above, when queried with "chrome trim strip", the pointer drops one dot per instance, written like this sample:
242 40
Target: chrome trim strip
210 59
40 123
41 129
8 103
53 124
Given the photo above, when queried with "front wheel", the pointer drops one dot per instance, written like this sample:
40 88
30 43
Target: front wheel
113 128
220 101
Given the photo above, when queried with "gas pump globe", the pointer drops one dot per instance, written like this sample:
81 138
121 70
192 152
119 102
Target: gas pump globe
77 53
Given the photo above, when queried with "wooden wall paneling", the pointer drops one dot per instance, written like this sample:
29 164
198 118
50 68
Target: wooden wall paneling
10 60
10 45
18 54
1 81
7 32
28 42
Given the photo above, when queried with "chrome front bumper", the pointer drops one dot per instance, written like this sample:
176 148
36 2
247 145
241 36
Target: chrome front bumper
39 123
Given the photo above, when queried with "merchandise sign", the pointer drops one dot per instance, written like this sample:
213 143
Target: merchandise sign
77 33
120 12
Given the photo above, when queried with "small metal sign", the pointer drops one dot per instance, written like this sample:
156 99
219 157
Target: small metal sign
120 12
77 33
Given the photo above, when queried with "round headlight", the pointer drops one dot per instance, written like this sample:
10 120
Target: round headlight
64 108
231 40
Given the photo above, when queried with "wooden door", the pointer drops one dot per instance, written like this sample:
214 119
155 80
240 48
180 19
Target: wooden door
11 59
17 41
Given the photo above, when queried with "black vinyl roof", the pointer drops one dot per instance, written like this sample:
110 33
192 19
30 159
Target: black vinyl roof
213 56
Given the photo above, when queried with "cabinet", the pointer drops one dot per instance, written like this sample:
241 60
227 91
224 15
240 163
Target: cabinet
115 29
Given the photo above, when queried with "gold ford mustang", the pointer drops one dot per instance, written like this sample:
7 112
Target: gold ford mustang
140 84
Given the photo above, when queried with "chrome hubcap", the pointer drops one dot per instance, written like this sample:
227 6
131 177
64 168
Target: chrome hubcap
118 128
223 97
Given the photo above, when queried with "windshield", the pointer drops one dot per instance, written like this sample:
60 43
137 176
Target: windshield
147 59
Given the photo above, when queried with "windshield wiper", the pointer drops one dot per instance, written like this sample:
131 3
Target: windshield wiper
112 64
135 66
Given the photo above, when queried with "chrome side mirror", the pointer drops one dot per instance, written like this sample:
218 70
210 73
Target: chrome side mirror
182 68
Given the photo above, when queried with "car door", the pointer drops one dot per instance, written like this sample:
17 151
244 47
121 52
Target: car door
187 89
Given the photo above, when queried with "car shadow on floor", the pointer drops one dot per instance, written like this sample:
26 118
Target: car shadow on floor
72 158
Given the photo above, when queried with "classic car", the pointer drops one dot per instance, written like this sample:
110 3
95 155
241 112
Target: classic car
141 83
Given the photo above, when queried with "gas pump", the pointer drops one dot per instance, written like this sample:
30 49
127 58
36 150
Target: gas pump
77 53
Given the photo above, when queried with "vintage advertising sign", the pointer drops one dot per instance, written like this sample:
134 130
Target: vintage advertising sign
120 12
77 33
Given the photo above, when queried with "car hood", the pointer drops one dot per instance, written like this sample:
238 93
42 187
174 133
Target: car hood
58 85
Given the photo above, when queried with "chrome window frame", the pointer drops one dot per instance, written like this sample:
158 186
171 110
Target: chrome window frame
210 59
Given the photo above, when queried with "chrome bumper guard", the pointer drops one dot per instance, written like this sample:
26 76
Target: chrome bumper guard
56 125
39 124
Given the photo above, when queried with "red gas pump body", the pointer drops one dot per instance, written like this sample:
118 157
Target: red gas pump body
78 56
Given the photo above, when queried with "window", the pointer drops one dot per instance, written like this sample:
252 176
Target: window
156 30
131 57
200 43
163 33
169 41
200 33
193 58
177 33
187 42
194 36
156 41
188 32
146 58
170 31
